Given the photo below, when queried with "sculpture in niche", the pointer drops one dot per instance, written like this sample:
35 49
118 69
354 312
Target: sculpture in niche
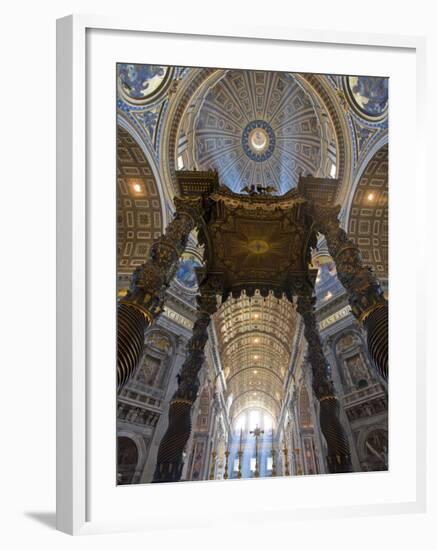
203 411
198 452
353 371
304 409
158 348
376 450
357 371
127 459
309 455
150 370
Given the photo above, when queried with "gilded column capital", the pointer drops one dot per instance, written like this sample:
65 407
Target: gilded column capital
364 289
191 206
150 281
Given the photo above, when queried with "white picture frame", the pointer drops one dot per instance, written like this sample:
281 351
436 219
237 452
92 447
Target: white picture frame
77 231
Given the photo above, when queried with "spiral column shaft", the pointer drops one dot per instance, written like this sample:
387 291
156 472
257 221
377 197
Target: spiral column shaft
170 454
366 296
338 451
131 324
149 282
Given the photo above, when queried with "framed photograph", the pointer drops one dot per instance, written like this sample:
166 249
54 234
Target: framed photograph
231 230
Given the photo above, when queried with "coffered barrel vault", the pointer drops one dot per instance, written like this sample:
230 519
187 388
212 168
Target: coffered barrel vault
255 335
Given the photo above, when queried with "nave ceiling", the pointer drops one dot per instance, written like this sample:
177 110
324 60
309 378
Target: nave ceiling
255 343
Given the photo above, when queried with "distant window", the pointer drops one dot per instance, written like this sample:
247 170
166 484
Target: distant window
333 170
269 463
180 162
254 419
241 423
268 422
252 464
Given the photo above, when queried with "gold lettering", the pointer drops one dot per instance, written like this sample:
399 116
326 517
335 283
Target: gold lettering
177 317
340 314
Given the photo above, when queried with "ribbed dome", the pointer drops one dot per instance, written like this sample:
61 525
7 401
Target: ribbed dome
258 128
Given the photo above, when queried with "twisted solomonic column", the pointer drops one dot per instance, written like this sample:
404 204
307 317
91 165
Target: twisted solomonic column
365 293
170 454
145 298
338 452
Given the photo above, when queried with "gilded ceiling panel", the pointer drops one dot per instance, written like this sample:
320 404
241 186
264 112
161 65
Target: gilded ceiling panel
368 223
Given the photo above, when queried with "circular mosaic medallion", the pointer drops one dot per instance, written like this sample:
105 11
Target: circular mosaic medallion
258 140
141 84
368 95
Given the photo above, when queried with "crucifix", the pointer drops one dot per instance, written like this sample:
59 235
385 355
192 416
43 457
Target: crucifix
273 457
257 433
240 454
286 464
226 475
